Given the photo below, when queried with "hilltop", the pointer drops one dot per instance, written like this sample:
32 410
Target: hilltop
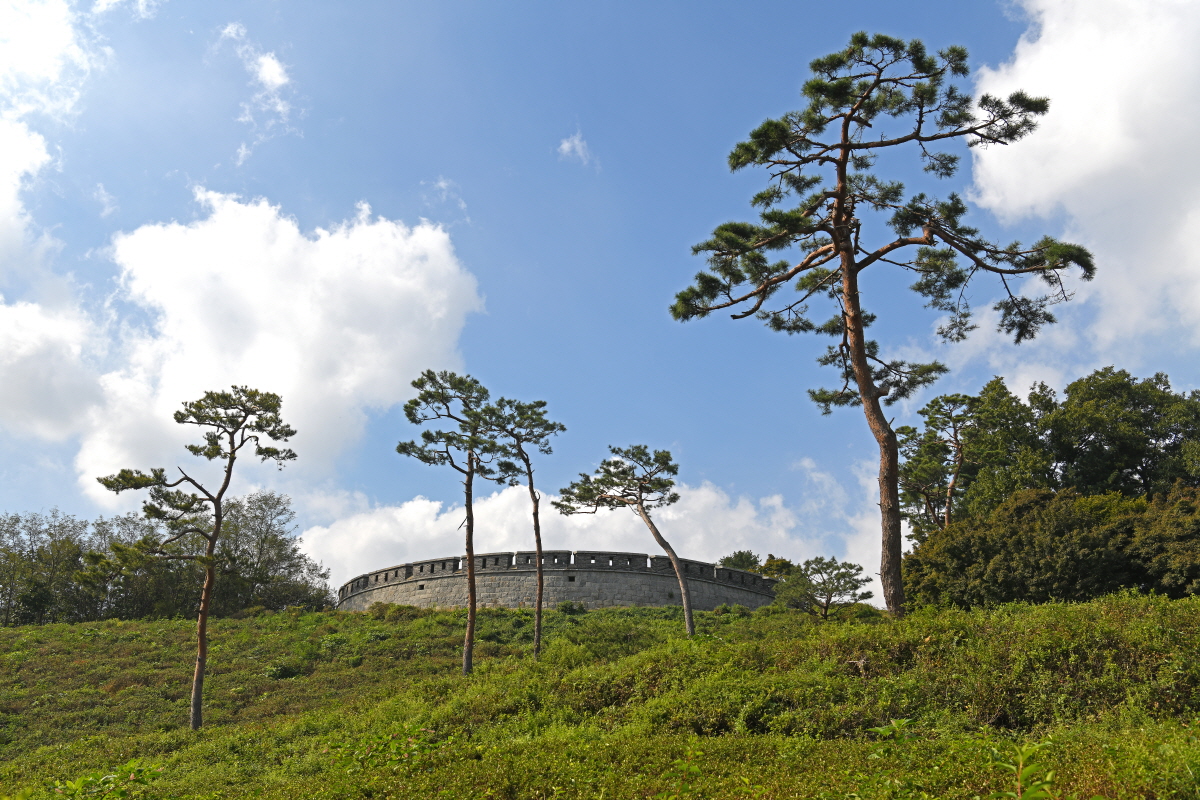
770 704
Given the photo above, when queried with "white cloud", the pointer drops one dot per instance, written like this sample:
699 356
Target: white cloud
575 148
108 203
338 322
22 155
705 524
43 58
445 191
268 112
45 387
143 9
269 72
45 383
1116 154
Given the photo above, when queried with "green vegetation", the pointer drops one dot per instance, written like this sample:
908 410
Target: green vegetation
774 704
523 429
58 568
1040 545
840 228
639 481
469 451
1111 432
822 585
1054 499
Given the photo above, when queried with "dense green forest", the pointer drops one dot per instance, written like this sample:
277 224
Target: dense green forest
57 568
1065 499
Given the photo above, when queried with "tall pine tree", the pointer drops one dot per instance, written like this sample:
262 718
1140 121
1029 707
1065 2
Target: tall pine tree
877 95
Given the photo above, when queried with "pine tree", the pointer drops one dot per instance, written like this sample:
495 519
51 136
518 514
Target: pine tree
877 95
230 422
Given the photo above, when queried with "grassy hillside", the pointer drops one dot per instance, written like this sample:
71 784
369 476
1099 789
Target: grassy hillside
768 705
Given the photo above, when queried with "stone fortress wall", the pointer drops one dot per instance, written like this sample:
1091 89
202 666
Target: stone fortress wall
596 579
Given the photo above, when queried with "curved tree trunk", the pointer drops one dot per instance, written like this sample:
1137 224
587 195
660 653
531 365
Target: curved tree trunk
469 639
683 586
537 540
210 577
885 437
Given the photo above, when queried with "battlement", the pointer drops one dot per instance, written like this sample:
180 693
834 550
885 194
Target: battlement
592 577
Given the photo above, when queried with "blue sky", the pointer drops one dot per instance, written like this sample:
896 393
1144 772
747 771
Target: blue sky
512 190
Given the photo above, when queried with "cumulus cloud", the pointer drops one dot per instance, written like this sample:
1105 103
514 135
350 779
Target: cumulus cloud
45 383
268 112
45 386
706 524
338 322
22 155
43 58
1116 154
575 148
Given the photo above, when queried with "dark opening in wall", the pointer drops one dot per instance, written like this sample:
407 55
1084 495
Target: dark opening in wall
571 578
420 586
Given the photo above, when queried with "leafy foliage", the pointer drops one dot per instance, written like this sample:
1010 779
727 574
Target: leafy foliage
458 399
634 477
1042 545
821 585
1110 432
878 93
229 423
832 217
122 782
470 448
741 559
639 480
58 568
522 428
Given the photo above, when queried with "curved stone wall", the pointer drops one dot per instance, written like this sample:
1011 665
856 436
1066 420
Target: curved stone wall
596 579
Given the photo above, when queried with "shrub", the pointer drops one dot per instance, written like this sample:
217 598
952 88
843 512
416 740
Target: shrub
1040 545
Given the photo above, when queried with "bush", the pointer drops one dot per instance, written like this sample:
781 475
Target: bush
568 607
1040 545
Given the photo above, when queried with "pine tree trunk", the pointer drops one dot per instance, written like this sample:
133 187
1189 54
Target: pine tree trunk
210 576
683 586
469 639
885 437
537 540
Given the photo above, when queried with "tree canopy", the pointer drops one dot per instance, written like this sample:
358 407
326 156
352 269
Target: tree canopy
469 447
878 94
639 480
521 430
229 422
1041 545
1109 432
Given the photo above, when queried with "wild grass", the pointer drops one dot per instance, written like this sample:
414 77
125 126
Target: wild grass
771 705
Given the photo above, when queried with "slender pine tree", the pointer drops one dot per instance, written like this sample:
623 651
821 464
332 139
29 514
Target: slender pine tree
522 428
636 479
230 421
469 450
877 95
